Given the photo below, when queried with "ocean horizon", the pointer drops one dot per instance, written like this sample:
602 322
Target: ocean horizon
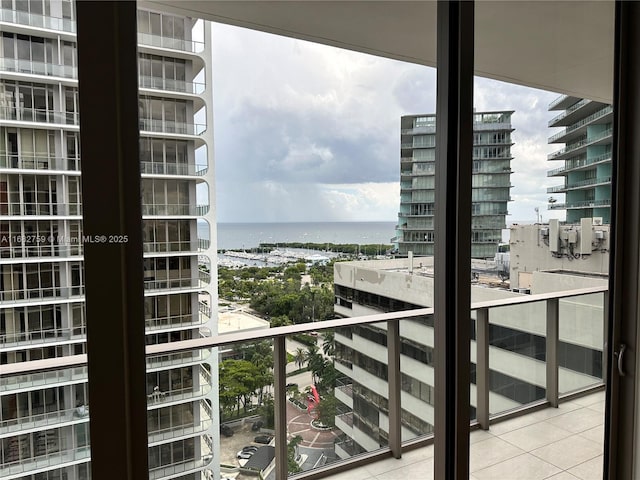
237 235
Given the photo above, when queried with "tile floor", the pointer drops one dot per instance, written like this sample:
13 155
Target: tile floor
562 443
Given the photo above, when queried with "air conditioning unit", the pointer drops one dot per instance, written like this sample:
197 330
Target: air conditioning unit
599 234
597 220
544 231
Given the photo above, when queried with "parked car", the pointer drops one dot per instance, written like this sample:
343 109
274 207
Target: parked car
245 455
257 425
226 430
264 439
250 448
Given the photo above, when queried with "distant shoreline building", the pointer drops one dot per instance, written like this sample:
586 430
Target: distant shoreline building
587 158
491 182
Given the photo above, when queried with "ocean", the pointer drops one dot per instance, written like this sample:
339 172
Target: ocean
250 235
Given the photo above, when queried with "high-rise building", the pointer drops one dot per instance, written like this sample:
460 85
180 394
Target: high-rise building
491 182
516 339
44 418
587 135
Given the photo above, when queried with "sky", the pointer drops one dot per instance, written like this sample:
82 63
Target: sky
307 132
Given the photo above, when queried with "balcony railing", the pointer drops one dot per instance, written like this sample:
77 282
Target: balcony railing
579 144
40 250
39 337
37 68
162 247
575 185
10 297
40 115
39 162
594 116
171 127
156 168
568 111
574 164
185 209
40 209
171 43
575 316
168 84
19 468
41 421
580 204
36 20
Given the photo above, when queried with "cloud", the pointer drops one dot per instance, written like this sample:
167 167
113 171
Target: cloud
309 132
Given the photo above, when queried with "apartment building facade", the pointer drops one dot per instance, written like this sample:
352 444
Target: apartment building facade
491 182
516 336
586 173
44 419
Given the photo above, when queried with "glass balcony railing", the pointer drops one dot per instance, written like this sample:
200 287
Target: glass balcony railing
174 210
580 204
40 294
337 388
40 247
39 337
175 321
171 127
37 20
170 85
160 41
594 116
577 185
41 209
576 164
568 111
572 148
42 421
39 115
164 247
37 68
156 168
21 467
38 162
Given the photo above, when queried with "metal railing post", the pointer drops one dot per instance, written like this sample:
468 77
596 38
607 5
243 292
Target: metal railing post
280 406
395 412
552 351
482 367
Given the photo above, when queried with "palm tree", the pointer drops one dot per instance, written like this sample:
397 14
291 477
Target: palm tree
300 357
328 345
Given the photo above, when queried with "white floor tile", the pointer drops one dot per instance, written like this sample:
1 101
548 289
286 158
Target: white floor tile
522 467
569 452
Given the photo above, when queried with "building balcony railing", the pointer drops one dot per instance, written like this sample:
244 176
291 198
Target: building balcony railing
577 185
164 247
594 116
163 362
38 162
40 250
171 127
170 85
40 380
577 164
159 398
580 204
580 144
20 468
160 41
39 115
37 68
174 321
171 433
177 210
40 209
185 468
41 421
557 101
156 168
568 111
187 283
575 317
36 20
12 297
40 337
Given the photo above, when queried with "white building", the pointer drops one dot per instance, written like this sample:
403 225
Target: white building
44 419
516 346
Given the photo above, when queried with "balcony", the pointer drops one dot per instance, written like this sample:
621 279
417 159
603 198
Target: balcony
171 127
581 164
40 115
578 146
183 169
564 135
12 298
43 163
41 421
36 20
170 85
38 68
20 468
159 41
174 210
580 204
578 185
